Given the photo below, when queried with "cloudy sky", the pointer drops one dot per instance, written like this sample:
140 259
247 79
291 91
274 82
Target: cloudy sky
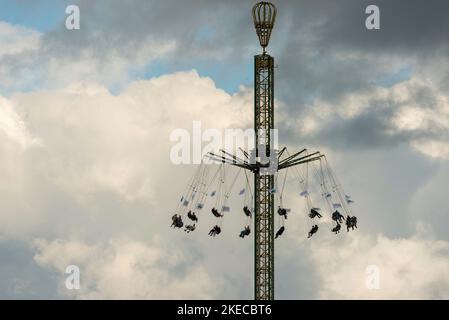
85 119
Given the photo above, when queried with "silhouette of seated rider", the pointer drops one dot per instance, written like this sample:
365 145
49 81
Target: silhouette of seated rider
282 212
247 211
313 231
173 218
192 216
351 222
177 221
245 232
215 231
337 228
280 232
216 213
314 213
337 217
354 222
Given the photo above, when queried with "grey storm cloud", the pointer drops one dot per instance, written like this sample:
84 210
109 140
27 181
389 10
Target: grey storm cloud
371 129
306 38
322 47
408 29
124 27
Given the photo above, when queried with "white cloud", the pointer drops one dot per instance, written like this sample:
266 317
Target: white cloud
101 166
419 112
102 170
114 69
93 142
17 39
124 269
16 144
433 148
29 60
411 268
13 127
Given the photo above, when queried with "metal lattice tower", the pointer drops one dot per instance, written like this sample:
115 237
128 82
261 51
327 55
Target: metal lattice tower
264 15
263 198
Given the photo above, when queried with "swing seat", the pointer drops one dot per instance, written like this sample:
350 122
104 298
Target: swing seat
247 211
216 213
279 232
337 228
192 216
314 213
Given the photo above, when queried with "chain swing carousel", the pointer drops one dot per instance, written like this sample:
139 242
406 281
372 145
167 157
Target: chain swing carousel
211 187
263 212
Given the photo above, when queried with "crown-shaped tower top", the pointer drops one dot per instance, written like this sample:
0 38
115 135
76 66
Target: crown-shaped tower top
264 16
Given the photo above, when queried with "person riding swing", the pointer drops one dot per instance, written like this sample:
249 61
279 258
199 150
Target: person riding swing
280 232
190 228
337 217
177 221
192 216
282 212
215 231
247 211
216 213
313 231
351 222
354 223
314 213
337 228
245 232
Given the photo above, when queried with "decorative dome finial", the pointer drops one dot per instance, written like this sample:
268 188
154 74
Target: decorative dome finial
264 16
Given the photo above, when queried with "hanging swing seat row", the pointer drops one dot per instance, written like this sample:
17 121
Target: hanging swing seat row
193 200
